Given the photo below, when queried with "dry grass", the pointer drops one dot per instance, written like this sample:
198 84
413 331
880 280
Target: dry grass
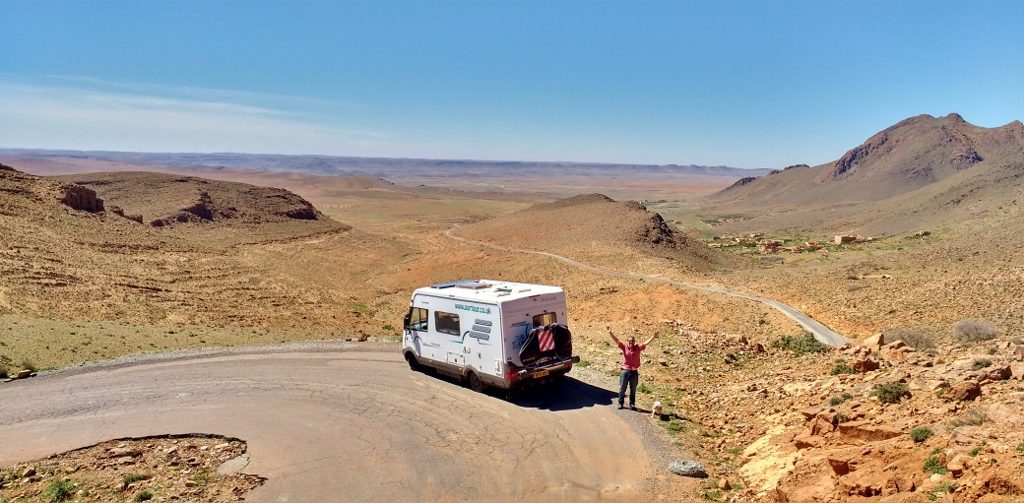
971 331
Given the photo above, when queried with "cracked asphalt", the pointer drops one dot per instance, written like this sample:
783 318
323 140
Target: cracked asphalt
341 422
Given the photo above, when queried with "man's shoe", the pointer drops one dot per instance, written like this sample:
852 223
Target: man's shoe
632 407
621 406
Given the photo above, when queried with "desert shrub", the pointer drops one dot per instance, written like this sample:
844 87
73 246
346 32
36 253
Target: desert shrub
132 478
841 367
974 452
1020 447
28 365
643 388
389 327
144 495
3 372
891 392
973 417
967 331
799 345
933 465
981 363
915 337
945 487
920 434
59 491
835 401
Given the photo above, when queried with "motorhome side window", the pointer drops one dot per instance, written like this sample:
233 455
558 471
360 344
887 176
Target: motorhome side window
446 323
418 317
543 320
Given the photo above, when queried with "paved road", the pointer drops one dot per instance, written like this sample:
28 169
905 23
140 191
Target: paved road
344 423
820 331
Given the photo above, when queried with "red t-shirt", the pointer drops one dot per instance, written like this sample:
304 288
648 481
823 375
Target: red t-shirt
631 355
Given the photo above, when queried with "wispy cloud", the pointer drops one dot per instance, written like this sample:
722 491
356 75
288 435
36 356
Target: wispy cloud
82 114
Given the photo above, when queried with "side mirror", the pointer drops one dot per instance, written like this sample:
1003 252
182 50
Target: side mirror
405 324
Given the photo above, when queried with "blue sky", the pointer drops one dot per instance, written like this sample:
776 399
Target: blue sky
748 84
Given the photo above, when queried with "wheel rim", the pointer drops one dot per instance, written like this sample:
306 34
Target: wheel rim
475 383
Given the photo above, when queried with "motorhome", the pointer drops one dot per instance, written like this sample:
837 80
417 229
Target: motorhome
490 332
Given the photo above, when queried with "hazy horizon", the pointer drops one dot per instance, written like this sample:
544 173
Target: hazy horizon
727 83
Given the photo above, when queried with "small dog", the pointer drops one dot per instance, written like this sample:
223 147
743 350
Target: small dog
656 409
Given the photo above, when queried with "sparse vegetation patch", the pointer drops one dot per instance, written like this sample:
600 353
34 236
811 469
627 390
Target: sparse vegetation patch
934 465
920 434
891 392
968 331
841 367
800 345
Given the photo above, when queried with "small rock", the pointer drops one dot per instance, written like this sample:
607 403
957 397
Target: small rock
688 468
24 374
723 484
29 471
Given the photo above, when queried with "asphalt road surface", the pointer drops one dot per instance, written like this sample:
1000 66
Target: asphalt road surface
346 422
824 334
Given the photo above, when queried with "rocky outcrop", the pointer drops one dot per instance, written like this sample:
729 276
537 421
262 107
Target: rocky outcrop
82 199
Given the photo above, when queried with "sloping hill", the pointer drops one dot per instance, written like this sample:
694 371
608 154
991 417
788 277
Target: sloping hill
593 225
165 200
915 173
88 263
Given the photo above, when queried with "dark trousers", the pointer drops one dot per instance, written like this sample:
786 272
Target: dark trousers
631 378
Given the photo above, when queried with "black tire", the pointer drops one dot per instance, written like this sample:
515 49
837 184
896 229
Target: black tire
413 363
475 383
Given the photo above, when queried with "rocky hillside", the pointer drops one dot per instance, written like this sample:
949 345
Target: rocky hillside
592 224
165 200
915 173
69 252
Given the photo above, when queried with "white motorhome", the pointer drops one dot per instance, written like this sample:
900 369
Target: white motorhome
490 332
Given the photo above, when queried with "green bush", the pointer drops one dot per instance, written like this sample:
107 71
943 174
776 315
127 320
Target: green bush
800 345
59 491
933 465
981 363
841 367
132 478
891 392
1020 447
28 365
144 495
974 452
643 388
967 331
920 434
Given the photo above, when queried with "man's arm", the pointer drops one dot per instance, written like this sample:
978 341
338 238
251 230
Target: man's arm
610 334
649 341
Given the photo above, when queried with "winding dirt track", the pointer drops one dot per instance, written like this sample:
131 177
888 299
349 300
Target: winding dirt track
341 422
821 332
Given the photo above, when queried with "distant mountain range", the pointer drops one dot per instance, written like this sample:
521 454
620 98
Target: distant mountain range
373 166
922 170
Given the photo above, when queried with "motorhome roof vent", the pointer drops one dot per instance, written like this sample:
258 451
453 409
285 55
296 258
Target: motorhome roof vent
459 283
473 285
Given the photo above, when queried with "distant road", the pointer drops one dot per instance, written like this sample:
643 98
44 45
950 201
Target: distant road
821 332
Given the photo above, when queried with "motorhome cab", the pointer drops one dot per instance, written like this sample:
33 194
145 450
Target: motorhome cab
490 333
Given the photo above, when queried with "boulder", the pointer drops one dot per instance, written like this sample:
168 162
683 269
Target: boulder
688 468
957 465
865 365
963 392
863 430
996 373
875 341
